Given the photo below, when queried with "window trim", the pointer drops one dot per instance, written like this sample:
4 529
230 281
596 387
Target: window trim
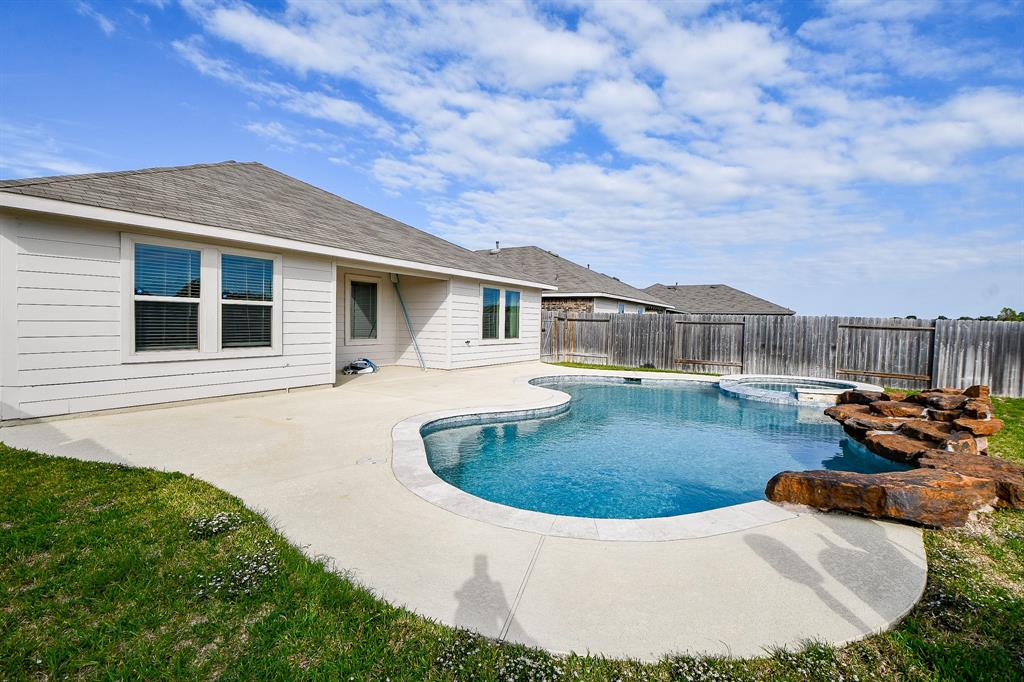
209 303
500 340
370 279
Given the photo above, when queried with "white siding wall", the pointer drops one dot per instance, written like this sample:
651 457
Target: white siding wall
610 305
426 300
465 302
61 349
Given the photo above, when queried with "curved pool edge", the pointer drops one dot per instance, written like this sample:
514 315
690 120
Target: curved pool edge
733 385
410 466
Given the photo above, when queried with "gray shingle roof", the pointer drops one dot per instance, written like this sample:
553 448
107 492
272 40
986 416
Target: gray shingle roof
535 263
719 299
254 198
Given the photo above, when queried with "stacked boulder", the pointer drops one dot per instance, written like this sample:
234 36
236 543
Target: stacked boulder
942 432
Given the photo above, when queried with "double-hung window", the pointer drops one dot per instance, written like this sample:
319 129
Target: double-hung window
363 299
191 301
500 309
166 298
247 301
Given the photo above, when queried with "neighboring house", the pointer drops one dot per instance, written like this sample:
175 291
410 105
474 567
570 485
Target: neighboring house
716 299
580 289
165 284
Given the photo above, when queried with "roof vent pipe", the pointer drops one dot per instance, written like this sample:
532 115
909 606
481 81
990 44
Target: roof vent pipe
497 248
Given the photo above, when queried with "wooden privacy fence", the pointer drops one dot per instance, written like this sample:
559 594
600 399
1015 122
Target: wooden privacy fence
888 351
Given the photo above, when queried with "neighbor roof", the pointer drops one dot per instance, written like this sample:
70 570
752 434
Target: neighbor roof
254 198
714 299
535 263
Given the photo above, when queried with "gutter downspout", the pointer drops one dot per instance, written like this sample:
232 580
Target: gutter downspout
408 323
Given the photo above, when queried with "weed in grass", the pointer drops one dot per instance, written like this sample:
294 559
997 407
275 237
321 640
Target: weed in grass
687 669
456 653
528 666
204 527
249 572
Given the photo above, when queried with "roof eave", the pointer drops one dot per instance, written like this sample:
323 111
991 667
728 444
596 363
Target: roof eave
600 294
24 202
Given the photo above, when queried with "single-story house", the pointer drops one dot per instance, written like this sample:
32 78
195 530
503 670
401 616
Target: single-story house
165 284
580 289
714 299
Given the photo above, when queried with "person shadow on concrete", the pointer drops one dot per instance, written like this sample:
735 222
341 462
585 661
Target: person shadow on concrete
792 566
482 603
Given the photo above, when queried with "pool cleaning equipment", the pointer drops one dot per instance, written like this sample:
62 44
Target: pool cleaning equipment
361 366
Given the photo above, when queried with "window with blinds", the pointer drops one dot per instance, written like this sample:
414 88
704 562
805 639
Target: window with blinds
247 301
512 314
363 310
491 312
166 293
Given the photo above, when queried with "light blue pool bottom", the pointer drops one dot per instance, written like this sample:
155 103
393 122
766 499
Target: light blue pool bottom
628 451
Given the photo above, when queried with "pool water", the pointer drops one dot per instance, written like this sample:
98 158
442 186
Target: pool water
641 451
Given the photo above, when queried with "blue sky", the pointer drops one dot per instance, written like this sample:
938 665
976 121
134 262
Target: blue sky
847 157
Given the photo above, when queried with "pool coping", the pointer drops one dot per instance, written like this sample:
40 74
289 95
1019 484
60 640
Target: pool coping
410 467
733 385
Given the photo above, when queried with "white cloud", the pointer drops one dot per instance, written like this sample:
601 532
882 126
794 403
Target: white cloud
313 104
30 151
86 10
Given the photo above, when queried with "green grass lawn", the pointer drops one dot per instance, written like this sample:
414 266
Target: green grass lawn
109 572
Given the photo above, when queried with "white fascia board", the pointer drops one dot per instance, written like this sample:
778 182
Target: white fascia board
110 215
612 297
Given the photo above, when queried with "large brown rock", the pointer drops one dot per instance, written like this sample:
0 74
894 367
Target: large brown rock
944 415
895 396
858 397
890 408
980 427
944 401
977 408
895 446
962 442
977 391
843 412
860 426
928 497
935 433
1007 476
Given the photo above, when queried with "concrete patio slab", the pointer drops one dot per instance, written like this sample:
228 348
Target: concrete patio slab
319 464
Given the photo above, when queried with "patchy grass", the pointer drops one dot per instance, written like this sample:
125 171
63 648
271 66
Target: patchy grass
109 572
619 368
1009 443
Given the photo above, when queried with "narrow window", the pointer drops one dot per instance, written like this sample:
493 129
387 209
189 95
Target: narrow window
491 310
166 298
512 314
363 307
622 307
247 301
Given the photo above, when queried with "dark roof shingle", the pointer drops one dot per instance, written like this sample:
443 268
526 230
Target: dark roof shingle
720 299
254 198
537 264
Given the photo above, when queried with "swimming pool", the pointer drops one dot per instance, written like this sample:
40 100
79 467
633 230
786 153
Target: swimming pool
635 451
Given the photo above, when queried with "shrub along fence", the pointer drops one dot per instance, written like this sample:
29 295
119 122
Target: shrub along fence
888 351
